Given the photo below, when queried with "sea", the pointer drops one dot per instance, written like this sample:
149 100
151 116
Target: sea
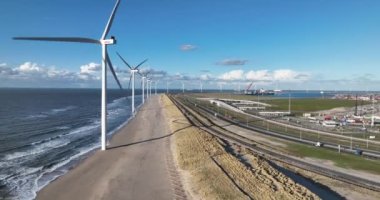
46 132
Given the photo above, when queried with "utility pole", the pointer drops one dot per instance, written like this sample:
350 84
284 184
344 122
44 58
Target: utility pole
373 112
289 104
351 142
356 105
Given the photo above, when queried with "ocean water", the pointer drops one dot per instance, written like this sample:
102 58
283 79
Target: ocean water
45 132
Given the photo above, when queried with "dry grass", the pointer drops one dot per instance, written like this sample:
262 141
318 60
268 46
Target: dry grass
348 191
217 174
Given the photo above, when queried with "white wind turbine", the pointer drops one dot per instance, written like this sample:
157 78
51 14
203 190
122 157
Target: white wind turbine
132 78
148 81
105 59
167 87
150 87
143 77
155 87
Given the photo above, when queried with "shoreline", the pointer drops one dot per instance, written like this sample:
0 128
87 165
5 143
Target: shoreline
81 157
125 170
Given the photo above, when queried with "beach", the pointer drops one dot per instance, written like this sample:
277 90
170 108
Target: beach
135 166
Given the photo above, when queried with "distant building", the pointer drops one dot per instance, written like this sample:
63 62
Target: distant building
330 123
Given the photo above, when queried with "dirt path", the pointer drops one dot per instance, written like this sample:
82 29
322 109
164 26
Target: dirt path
138 164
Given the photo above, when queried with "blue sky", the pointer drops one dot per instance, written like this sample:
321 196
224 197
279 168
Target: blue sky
293 44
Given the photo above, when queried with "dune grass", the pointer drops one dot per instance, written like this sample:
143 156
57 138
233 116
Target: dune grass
217 174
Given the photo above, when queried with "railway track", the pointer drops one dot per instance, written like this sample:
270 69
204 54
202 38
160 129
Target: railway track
201 120
346 149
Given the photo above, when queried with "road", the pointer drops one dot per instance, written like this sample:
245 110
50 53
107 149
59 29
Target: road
301 128
137 164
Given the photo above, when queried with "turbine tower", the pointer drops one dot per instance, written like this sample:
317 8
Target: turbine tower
150 88
105 60
143 88
155 87
143 78
132 77
148 82
183 87
167 87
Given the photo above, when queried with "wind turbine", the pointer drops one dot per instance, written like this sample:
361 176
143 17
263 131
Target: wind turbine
183 87
105 59
167 87
201 85
132 77
143 77
148 81
155 87
150 87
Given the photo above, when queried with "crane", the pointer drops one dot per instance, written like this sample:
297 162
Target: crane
248 88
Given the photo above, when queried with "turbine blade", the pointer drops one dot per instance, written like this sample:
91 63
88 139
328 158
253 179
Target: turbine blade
60 39
129 85
141 63
110 20
125 62
113 71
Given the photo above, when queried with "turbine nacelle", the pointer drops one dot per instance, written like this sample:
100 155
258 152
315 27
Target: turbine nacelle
108 41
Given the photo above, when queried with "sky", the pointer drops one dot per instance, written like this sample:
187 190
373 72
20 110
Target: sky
276 44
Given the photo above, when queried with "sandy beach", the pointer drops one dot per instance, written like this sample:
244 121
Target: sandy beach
135 166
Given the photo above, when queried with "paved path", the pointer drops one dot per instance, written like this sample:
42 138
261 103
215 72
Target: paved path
137 165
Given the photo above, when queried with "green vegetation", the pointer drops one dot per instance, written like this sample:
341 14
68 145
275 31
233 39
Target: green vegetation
308 105
297 105
264 124
341 160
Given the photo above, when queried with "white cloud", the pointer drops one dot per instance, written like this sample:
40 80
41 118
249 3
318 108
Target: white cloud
232 75
188 47
3 64
260 75
29 67
205 77
90 68
31 74
287 75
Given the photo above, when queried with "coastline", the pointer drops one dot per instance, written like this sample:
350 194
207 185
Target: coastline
78 159
125 170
